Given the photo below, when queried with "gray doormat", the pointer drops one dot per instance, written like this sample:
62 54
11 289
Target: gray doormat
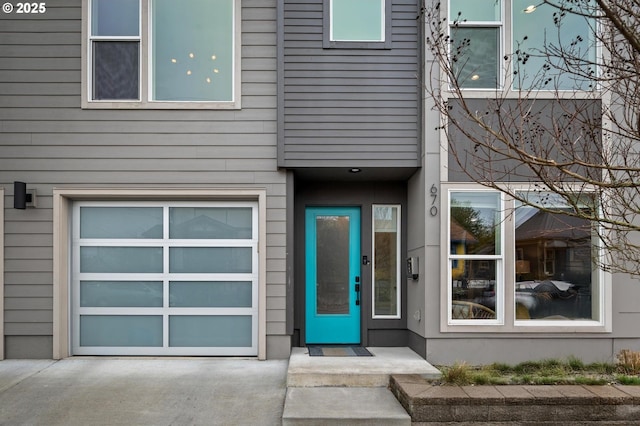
338 350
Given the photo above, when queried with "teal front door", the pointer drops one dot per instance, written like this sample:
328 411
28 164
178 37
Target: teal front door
332 274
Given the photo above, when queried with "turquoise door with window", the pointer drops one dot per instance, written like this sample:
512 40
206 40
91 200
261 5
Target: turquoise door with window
332 275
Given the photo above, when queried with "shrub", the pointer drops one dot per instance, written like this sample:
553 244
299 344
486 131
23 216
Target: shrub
458 374
629 361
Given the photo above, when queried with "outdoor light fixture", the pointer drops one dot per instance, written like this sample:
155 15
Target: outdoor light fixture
22 198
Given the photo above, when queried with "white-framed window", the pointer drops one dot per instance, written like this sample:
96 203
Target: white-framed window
357 20
477 31
164 278
161 54
512 267
357 24
386 261
502 43
476 257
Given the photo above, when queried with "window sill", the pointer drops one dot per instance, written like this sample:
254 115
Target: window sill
137 105
525 94
529 327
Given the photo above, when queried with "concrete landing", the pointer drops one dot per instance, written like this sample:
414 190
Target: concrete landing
360 371
348 406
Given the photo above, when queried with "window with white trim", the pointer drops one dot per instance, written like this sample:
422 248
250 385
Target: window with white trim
502 251
357 20
476 256
155 278
357 24
485 33
386 261
162 53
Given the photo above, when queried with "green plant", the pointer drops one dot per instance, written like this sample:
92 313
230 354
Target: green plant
526 367
500 367
544 372
628 380
481 378
575 363
584 380
601 367
458 374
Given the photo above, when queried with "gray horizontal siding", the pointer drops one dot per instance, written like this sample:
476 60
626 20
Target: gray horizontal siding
48 141
351 107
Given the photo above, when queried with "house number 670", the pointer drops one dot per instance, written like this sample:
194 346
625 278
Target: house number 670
434 195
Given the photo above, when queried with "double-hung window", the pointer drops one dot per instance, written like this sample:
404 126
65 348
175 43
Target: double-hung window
476 259
520 45
476 30
162 54
515 267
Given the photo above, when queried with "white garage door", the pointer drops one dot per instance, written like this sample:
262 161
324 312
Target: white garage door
164 278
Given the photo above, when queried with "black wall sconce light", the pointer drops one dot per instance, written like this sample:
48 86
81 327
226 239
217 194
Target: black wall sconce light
21 198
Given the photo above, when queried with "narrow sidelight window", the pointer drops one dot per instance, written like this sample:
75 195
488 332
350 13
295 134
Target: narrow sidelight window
386 261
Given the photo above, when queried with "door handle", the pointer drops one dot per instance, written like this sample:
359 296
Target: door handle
357 291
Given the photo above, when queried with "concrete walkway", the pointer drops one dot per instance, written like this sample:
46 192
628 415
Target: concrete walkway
142 391
349 390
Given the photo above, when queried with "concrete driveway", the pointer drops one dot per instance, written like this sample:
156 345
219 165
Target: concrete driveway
148 391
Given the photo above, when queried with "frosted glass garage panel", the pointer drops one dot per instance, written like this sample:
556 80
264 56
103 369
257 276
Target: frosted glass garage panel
121 330
210 331
121 294
210 260
120 259
121 222
208 294
210 222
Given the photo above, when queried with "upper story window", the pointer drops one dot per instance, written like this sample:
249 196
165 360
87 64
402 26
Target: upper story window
520 45
357 23
162 54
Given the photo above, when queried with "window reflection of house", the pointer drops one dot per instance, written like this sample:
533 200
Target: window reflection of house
554 274
556 247
460 240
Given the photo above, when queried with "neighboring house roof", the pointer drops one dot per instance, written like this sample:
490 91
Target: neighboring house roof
550 226
460 234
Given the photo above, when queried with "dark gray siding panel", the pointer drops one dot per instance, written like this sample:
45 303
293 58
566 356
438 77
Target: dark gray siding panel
352 107
48 141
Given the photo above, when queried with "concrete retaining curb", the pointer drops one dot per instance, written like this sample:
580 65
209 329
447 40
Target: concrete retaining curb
435 404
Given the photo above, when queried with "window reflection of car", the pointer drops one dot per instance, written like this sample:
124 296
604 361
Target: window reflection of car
544 300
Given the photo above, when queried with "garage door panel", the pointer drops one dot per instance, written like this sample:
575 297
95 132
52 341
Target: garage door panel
121 294
210 294
121 330
206 331
121 259
210 223
121 222
210 260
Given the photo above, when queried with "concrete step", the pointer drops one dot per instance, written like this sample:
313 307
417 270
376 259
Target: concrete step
360 371
313 406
